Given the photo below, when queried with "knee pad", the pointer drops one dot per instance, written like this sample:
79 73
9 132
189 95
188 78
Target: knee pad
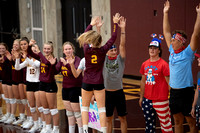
101 110
12 101
46 111
85 109
18 101
77 114
69 113
3 96
40 109
7 100
54 111
24 101
32 109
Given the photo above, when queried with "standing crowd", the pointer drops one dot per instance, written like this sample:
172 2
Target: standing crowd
28 81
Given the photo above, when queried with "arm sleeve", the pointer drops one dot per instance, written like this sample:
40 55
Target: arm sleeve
19 66
58 67
110 42
82 64
142 69
88 28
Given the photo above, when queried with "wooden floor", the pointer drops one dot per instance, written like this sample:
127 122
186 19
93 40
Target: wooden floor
135 119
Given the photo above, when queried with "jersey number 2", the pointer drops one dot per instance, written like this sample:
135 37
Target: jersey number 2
94 59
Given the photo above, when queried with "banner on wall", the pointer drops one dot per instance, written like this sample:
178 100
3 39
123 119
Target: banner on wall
94 121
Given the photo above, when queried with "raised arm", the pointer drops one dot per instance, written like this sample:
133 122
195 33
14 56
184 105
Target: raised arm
99 25
19 66
195 39
142 87
110 42
75 72
122 49
166 25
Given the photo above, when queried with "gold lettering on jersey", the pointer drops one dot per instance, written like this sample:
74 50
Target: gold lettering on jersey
22 59
94 59
114 28
42 68
64 71
42 64
0 68
13 67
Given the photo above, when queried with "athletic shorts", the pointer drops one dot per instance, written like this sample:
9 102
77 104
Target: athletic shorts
91 87
181 100
48 87
32 86
115 99
7 82
71 94
17 83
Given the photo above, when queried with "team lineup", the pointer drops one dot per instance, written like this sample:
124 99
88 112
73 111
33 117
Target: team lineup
27 76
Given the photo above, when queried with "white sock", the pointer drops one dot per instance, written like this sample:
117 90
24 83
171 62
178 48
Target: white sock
22 115
85 128
80 129
30 118
43 123
103 129
12 115
35 122
48 126
71 128
55 127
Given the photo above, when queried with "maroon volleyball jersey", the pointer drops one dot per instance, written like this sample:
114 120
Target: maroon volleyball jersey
47 71
95 57
17 75
69 80
6 70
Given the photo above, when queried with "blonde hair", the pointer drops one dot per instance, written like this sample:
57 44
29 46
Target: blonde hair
50 43
90 37
16 40
69 43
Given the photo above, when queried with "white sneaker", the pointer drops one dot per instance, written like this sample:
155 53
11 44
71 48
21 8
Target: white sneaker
5 117
43 130
19 121
24 122
40 125
55 131
48 130
34 128
28 125
10 120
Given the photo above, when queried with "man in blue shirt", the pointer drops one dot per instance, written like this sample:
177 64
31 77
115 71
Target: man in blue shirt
180 64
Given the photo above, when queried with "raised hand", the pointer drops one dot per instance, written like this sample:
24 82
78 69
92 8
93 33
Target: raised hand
122 22
198 8
52 60
99 23
15 53
116 18
36 49
32 42
166 7
94 20
63 60
70 61
24 55
8 55
1 59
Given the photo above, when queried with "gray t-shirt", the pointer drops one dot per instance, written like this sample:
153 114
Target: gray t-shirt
198 83
113 73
